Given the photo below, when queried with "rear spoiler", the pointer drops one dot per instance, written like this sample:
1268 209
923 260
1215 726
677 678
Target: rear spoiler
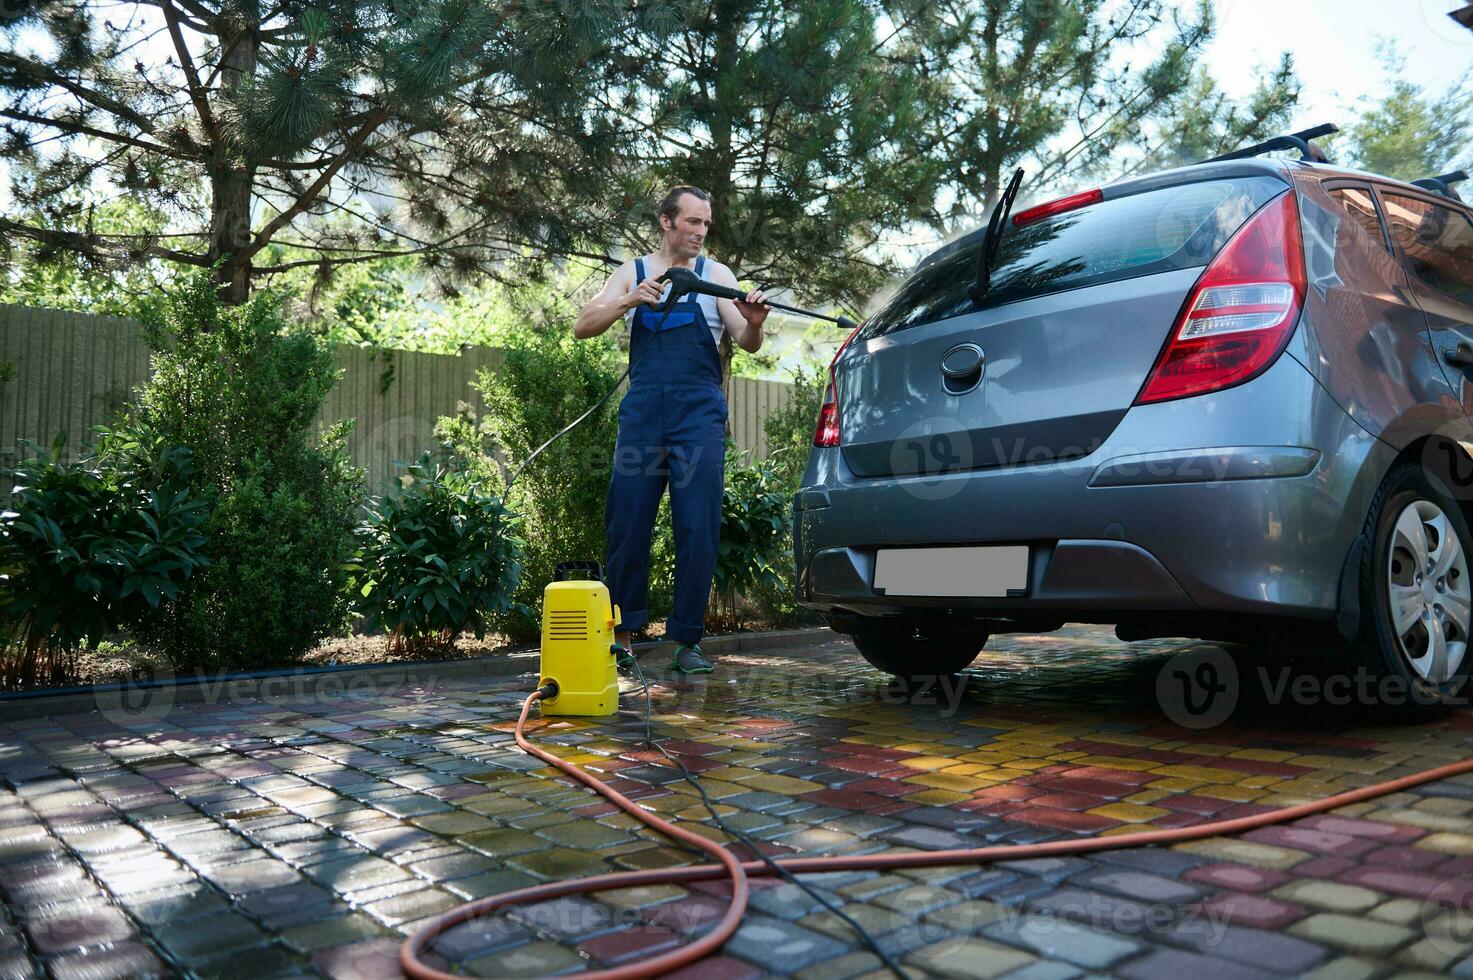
1290 141
1443 184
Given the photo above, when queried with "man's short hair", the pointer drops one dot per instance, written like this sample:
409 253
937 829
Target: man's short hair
670 204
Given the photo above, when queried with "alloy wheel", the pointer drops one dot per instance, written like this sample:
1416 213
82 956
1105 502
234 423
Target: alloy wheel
1431 596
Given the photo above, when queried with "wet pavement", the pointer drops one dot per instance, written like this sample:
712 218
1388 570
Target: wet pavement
308 833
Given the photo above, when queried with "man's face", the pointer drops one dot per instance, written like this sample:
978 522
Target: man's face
686 235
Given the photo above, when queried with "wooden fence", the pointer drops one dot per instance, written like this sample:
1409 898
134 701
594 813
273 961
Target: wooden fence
73 371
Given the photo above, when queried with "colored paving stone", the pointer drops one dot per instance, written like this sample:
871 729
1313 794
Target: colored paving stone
1059 940
1237 877
122 960
1328 895
303 835
1252 910
1353 934
1246 852
782 947
539 959
969 957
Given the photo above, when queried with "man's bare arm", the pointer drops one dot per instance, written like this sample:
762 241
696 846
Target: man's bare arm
742 320
618 297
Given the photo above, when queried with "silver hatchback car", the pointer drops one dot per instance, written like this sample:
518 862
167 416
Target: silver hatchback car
1227 401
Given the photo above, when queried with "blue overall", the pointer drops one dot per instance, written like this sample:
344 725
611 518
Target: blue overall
672 427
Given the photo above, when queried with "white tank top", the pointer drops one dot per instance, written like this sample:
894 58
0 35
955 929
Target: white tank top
706 303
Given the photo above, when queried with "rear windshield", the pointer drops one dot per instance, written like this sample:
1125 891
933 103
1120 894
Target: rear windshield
1177 227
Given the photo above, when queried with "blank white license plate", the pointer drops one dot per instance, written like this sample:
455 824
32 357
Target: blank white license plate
981 571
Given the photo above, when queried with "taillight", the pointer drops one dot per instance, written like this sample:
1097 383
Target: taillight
827 431
1050 208
1241 312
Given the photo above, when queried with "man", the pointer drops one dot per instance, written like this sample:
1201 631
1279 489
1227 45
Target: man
672 422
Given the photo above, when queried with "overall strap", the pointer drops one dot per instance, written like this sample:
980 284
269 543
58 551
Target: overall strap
700 270
638 311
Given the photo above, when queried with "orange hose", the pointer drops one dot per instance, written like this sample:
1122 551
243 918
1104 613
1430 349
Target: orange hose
740 871
665 962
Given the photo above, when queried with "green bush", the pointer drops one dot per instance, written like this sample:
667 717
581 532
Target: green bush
546 381
242 390
90 547
789 432
437 559
661 598
754 524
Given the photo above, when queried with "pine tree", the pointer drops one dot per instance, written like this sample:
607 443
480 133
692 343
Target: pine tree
807 124
457 130
1204 122
1076 89
1412 132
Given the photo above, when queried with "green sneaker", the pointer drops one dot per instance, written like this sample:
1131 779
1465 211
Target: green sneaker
688 660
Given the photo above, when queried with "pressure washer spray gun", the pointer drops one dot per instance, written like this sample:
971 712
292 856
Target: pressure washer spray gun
683 282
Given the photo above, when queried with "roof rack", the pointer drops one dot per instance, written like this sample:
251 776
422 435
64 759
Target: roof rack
1291 141
1443 185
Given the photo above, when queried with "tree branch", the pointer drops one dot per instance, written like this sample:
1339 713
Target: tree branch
186 62
102 134
18 63
85 244
310 194
205 14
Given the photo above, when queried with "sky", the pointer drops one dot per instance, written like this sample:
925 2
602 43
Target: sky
1334 48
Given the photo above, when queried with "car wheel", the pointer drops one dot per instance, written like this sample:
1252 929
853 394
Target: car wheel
1416 583
913 650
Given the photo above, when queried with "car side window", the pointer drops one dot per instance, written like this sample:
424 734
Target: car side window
1362 209
1438 242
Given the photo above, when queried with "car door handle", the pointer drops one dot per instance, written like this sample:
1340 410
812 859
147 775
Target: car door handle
1460 356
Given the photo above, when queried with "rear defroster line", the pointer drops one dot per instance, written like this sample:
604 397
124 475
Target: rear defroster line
738 872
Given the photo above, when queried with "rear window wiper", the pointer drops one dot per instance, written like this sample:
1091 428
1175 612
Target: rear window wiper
990 243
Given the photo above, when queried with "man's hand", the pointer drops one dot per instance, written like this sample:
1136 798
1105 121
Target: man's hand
646 293
754 309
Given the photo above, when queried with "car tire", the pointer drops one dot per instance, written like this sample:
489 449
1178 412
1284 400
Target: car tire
913 650
1415 585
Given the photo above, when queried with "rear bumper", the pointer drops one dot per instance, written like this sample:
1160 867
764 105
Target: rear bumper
1062 575
1243 501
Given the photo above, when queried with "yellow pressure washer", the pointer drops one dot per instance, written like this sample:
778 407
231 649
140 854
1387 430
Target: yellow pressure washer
578 649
